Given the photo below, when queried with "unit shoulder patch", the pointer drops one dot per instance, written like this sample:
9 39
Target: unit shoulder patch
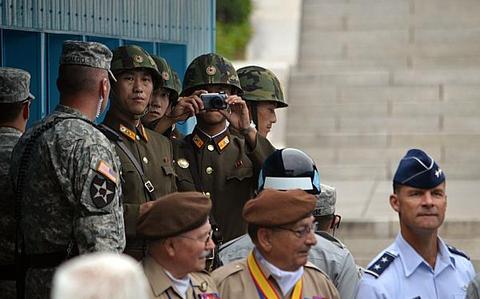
381 264
457 252
102 191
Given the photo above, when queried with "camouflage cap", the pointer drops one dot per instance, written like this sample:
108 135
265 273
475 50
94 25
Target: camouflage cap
90 54
14 85
132 57
326 201
260 84
210 69
168 79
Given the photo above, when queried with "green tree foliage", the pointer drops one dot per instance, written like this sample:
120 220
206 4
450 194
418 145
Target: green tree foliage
233 27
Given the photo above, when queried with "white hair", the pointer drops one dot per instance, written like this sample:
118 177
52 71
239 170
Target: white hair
100 276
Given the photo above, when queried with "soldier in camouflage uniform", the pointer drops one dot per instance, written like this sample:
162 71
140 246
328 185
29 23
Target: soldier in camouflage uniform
15 101
163 101
66 173
146 156
211 159
263 95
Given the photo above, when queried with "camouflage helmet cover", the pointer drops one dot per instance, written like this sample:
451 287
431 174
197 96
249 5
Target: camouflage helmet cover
167 76
132 57
210 69
260 84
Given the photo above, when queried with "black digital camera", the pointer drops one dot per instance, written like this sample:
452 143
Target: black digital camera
214 101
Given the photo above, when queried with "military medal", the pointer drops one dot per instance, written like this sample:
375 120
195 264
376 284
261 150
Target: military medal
183 163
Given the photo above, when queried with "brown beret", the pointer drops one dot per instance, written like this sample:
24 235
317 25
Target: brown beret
277 207
174 214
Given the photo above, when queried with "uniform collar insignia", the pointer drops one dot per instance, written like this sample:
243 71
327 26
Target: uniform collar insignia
127 132
222 141
143 132
198 141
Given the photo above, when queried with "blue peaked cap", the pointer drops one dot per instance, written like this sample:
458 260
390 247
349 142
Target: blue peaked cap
417 169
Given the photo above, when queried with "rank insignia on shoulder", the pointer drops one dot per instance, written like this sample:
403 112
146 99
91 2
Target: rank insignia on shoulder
183 163
105 169
208 296
377 268
457 252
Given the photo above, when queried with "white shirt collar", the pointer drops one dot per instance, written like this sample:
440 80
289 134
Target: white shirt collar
181 285
286 280
218 134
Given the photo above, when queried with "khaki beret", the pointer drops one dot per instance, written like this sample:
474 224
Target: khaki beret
174 214
278 207
14 85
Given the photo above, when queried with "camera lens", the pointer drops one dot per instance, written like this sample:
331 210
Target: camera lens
218 103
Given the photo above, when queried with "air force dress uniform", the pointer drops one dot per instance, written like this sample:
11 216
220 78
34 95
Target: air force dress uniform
399 271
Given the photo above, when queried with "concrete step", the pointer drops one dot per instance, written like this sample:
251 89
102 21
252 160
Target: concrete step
370 140
366 238
316 108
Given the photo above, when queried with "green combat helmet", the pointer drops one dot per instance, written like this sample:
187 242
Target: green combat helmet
177 81
132 57
210 69
260 84
167 76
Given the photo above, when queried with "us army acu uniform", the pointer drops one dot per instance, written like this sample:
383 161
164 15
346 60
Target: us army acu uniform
69 179
473 291
225 166
141 149
14 89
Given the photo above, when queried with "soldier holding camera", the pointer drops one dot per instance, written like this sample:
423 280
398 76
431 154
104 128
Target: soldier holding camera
213 160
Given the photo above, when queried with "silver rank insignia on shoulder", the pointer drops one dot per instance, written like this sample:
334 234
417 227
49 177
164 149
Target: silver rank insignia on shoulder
183 163
377 268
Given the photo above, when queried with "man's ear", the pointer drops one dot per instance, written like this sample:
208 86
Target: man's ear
264 238
104 88
170 246
26 110
394 202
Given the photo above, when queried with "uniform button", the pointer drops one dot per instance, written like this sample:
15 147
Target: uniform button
207 194
209 170
137 137
210 147
145 160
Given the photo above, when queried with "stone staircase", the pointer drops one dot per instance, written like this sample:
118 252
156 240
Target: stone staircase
376 77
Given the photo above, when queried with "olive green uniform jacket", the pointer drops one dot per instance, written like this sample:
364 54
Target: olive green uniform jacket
227 169
161 285
153 152
235 281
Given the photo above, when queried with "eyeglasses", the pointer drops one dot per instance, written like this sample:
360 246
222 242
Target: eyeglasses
301 232
205 241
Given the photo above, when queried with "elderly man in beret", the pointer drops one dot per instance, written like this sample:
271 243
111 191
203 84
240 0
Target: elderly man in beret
15 99
281 225
179 240
66 173
419 264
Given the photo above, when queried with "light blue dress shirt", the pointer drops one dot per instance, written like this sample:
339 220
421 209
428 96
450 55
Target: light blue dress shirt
400 272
